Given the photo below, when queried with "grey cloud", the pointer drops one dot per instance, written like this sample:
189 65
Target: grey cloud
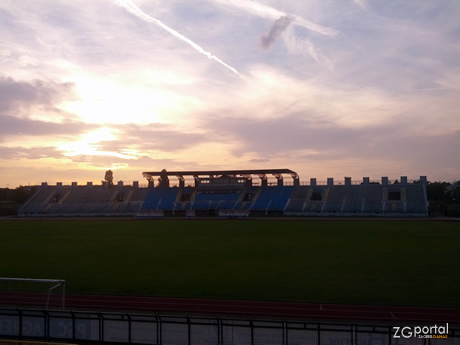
98 160
20 100
12 126
18 96
259 160
395 47
275 31
157 137
282 134
425 152
29 153
293 136
93 34
12 27
137 165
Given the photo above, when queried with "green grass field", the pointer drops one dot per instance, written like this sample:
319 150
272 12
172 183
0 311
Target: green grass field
338 261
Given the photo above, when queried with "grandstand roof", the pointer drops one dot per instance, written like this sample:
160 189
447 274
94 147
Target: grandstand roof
149 175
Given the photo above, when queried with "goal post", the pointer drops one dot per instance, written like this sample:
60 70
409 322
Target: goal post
28 292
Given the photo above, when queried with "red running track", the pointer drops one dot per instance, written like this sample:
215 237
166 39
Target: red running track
260 309
235 308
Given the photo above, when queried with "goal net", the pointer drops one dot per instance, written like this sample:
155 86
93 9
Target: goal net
38 293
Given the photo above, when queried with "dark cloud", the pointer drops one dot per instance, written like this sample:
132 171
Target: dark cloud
13 126
29 153
293 138
21 100
156 137
268 136
276 30
99 160
17 97
259 160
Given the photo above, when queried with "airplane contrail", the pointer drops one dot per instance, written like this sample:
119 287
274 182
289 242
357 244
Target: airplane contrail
131 7
265 11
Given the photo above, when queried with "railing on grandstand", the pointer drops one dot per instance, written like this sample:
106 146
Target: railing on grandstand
256 183
356 182
85 327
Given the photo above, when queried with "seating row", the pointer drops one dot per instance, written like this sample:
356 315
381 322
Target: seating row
364 199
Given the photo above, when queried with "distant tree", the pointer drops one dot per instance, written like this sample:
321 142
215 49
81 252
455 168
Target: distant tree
12 199
455 192
109 177
21 193
437 191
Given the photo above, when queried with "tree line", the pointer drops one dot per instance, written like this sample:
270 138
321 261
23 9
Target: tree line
444 198
12 199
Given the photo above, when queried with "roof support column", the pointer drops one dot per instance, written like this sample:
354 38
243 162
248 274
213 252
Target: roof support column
248 180
295 179
263 179
181 181
279 178
197 180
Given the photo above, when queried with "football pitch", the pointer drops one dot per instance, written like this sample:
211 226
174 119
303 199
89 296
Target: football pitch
383 262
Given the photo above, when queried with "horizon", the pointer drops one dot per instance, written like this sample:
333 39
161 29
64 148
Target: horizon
328 89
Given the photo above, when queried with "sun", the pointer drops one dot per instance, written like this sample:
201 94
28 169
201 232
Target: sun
103 101
89 145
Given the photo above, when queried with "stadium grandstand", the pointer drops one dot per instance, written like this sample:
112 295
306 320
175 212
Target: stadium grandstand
232 193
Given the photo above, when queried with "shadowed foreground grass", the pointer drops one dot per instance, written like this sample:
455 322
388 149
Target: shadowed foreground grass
339 261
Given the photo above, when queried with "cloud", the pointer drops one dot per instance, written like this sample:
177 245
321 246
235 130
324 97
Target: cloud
16 153
18 127
259 160
264 11
392 147
283 21
159 137
275 31
31 110
16 97
304 46
361 3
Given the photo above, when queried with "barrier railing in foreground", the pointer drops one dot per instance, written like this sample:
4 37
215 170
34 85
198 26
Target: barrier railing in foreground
125 328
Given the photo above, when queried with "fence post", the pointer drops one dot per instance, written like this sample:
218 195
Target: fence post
73 325
46 335
20 323
189 331
159 334
285 333
63 295
219 332
101 327
129 328
353 334
319 334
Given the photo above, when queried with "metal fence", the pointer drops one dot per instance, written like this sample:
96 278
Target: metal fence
128 328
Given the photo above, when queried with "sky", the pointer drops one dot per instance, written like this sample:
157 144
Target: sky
328 88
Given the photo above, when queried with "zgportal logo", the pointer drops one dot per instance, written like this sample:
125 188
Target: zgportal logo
421 331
